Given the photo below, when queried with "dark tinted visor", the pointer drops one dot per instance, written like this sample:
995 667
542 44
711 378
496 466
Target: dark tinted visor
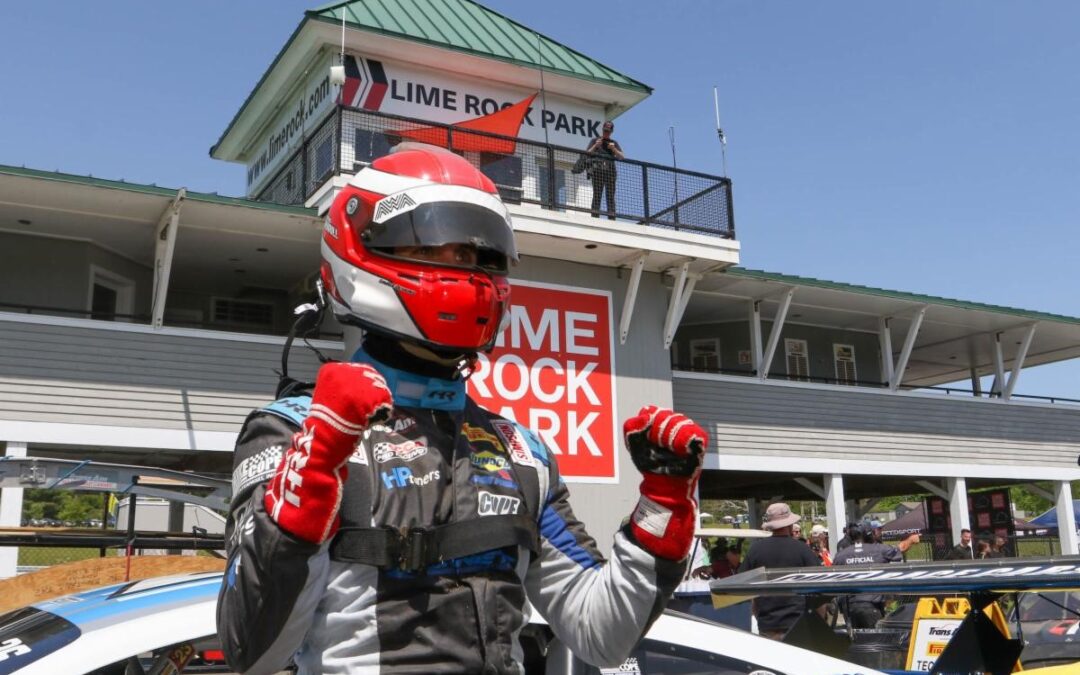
441 223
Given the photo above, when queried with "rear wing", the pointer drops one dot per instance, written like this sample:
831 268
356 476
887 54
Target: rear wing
731 533
1000 575
65 474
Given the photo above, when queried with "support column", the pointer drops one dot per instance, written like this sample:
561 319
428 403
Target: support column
11 500
835 508
754 514
958 507
1066 517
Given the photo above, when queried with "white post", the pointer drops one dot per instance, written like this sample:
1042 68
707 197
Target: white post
958 507
11 515
774 333
1066 518
885 338
755 338
835 511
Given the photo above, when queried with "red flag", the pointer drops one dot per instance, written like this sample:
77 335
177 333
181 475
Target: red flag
505 122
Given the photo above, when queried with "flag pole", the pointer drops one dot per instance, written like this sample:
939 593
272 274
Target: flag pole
720 132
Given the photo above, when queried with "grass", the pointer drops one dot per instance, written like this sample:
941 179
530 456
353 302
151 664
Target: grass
45 556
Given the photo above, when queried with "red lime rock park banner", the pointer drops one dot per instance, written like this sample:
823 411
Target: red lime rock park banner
553 370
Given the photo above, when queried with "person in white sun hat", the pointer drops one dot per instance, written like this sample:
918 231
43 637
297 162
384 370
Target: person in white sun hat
777 614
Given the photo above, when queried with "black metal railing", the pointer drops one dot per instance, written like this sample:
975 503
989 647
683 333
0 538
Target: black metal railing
777 376
318 333
526 172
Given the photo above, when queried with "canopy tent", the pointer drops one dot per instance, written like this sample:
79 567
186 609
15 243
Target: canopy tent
1050 519
911 522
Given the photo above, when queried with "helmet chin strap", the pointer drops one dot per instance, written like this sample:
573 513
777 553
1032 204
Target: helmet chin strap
429 355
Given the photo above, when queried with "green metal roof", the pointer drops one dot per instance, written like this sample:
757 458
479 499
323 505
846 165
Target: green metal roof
470 27
209 197
897 295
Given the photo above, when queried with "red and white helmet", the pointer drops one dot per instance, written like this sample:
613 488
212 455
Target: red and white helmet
419 195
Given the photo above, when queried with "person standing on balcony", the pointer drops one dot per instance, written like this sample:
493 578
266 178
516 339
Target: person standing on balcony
604 151
385 522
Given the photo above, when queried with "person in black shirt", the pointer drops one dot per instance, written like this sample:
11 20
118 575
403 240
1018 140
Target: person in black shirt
962 551
604 150
776 614
865 610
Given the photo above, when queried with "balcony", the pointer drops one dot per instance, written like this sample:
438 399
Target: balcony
72 383
525 172
779 425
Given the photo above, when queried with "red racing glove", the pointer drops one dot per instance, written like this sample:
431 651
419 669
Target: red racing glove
304 495
667 448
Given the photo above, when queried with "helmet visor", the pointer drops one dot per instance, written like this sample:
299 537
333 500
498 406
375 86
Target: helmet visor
441 223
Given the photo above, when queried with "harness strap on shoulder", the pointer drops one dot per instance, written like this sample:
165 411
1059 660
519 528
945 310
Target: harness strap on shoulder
417 548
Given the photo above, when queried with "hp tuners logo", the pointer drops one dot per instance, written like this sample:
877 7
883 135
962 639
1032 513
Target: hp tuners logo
403 476
392 205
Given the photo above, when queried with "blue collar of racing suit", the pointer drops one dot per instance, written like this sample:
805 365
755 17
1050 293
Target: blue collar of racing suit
418 391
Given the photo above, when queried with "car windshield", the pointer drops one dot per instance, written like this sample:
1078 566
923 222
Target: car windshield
1050 606
28 634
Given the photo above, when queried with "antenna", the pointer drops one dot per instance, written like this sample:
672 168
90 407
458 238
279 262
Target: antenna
543 92
337 73
675 166
720 132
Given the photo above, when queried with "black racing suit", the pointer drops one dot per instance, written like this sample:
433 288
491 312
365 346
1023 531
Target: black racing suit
440 458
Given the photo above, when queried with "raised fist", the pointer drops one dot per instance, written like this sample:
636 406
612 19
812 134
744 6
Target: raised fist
664 442
667 448
304 495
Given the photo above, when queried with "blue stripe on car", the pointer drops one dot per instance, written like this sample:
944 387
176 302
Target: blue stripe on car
97 605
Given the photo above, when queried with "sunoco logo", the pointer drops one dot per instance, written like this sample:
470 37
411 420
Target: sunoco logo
391 205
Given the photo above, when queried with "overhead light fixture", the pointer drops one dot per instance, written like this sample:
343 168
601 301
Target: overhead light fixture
24 221
262 249
590 246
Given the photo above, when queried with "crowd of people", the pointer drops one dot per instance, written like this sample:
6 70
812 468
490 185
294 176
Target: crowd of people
789 546
862 543
982 549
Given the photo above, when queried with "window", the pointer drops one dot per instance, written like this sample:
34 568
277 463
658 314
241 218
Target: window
705 354
323 160
798 359
110 295
247 312
544 185
369 146
505 172
844 360
655 656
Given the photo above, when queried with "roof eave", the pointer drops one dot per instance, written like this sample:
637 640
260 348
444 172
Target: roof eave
221 149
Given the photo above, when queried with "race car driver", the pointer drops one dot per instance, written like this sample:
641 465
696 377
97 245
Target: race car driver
385 522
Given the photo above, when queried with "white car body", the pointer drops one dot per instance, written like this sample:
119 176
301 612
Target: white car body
106 626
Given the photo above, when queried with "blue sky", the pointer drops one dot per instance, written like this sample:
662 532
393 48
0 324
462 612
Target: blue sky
931 147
